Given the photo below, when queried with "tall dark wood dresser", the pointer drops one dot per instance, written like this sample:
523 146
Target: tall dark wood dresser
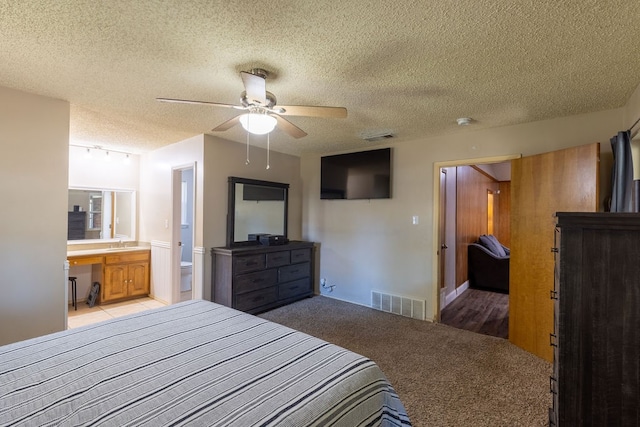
258 278
596 370
76 225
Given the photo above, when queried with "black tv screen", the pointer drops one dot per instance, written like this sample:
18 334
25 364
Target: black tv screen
361 175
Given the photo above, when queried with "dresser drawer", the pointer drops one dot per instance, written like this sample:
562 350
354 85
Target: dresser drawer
300 255
255 299
253 281
242 264
294 272
297 287
278 259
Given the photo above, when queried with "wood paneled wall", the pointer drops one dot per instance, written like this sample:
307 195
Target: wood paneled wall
503 222
471 219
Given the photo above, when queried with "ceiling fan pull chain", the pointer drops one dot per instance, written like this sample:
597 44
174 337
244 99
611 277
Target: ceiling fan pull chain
247 161
268 166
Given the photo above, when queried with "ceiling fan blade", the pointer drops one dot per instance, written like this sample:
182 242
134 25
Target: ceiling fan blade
187 101
289 127
311 111
227 125
255 86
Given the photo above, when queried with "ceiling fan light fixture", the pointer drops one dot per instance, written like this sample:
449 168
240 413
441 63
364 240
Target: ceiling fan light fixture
258 124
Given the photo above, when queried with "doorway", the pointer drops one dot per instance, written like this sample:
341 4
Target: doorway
481 311
183 224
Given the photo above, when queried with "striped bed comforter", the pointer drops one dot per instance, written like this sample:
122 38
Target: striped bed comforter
193 363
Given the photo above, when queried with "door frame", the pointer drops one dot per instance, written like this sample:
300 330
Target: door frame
435 286
176 225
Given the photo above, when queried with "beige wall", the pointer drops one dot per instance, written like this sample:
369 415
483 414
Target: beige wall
372 245
34 137
224 159
631 114
632 110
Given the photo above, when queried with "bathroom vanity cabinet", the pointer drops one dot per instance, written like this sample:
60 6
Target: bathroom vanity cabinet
121 274
257 278
126 275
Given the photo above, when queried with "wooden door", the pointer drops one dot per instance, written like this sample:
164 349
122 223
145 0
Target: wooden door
115 282
541 185
442 229
138 279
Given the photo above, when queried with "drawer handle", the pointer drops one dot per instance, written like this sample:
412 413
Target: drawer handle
250 263
293 288
294 271
258 280
259 298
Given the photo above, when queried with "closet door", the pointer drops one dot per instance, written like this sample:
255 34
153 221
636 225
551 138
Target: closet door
541 185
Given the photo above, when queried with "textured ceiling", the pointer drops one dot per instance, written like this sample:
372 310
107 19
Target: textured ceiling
411 67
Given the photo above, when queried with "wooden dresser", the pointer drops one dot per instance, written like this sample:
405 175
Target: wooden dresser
596 371
77 224
258 278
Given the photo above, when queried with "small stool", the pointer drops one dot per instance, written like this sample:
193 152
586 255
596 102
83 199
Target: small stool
72 280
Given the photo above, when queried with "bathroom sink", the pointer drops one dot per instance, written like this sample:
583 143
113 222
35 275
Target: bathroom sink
124 249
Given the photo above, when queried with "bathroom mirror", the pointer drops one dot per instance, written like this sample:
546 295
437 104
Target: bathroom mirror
255 207
98 214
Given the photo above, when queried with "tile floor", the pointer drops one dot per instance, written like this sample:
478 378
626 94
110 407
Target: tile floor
87 315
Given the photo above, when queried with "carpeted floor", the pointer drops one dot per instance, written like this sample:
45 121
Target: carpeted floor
444 376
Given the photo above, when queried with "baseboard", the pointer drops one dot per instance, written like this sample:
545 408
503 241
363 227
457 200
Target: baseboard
455 294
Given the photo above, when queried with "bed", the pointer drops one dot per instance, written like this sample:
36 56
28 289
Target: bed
192 363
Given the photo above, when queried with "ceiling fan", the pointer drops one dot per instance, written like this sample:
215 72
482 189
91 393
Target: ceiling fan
262 115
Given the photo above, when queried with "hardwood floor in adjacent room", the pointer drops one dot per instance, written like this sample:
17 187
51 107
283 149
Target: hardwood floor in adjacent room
479 311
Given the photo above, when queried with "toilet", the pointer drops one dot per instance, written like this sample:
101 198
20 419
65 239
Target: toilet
185 276
185 273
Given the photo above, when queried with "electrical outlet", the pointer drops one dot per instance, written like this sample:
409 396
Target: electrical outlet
323 283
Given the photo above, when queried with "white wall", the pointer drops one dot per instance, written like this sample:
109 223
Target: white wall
156 208
217 159
96 172
34 138
155 187
372 245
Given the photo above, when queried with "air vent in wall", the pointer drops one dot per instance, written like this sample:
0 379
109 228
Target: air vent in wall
403 306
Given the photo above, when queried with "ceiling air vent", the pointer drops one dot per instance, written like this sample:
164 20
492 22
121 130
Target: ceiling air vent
378 135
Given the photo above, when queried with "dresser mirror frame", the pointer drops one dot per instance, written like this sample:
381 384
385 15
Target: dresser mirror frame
267 211
119 211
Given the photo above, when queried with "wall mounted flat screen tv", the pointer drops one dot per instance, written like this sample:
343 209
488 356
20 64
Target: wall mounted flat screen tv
361 175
